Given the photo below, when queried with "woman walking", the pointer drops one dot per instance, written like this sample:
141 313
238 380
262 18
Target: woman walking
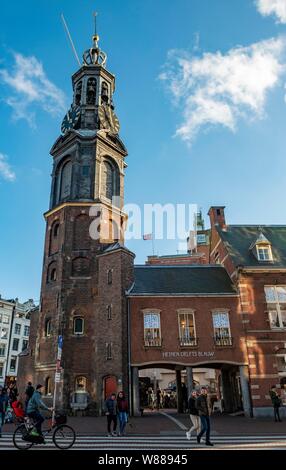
194 415
122 406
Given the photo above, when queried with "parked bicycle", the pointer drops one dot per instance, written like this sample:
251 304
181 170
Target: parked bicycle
63 436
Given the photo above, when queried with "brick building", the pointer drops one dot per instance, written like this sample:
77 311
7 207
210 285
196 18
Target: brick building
229 315
86 268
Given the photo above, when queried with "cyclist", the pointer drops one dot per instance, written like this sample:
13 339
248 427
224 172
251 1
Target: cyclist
33 409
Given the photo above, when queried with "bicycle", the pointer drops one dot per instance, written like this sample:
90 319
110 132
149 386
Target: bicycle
63 435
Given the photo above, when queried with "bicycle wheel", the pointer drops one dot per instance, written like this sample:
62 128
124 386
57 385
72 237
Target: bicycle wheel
18 438
64 437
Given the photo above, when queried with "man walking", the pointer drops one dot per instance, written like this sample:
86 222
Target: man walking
203 409
111 411
276 403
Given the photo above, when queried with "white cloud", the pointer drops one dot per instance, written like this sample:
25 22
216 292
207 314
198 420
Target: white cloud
273 7
219 89
29 86
5 169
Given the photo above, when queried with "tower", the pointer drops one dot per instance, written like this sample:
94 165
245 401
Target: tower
86 268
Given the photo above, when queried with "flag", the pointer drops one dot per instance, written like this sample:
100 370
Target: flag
148 236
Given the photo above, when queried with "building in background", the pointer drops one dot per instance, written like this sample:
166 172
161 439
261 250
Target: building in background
14 335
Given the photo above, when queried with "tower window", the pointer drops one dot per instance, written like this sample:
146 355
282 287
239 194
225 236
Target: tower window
66 177
110 181
48 386
91 91
48 327
109 312
78 326
109 276
53 275
78 94
85 170
56 229
104 92
108 351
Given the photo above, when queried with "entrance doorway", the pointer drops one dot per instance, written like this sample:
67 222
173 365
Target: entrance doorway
110 386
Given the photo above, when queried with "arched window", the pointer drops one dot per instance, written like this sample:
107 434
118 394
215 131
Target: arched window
48 386
54 238
52 272
66 178
56 229
110 180
91 91
48 327
80 384
78 94
78 325
104 92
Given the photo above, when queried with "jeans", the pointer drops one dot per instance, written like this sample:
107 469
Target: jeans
38 420
196 424
122 421
110 419
2 418
276 413
206 427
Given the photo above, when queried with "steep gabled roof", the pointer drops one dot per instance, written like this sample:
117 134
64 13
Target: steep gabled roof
182 280
239 238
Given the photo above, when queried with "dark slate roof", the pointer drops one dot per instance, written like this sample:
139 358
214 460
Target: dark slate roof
239 238
181 280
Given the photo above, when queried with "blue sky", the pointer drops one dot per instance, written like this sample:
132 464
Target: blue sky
204 123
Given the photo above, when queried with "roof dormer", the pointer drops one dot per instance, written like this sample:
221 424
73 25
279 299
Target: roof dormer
261 248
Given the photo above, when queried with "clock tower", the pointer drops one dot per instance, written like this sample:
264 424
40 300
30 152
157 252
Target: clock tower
86 267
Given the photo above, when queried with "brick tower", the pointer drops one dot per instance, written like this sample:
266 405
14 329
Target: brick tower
86 268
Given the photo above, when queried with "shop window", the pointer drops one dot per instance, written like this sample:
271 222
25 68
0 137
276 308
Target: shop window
222 335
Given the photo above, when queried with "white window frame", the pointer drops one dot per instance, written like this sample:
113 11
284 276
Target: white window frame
1 369
277 309
223 340
264 248
183 339
48 330
153 341
26 327
3 346
17 329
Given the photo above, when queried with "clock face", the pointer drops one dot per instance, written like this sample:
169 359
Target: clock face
108 119
70 119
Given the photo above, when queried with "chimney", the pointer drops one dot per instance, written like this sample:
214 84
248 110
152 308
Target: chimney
216 215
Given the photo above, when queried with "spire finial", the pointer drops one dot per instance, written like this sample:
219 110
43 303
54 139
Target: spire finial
94 56
95 37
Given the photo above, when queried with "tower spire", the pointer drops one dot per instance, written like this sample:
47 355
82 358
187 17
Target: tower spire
94 55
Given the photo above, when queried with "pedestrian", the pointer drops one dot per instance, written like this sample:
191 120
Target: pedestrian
276 403
159 398
3 406
34 406
151 398
28 393
203 409
13 392
122 406
184 397
194 415
111 411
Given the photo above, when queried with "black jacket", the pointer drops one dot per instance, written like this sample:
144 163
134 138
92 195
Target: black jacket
202 405
276 400
192 406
